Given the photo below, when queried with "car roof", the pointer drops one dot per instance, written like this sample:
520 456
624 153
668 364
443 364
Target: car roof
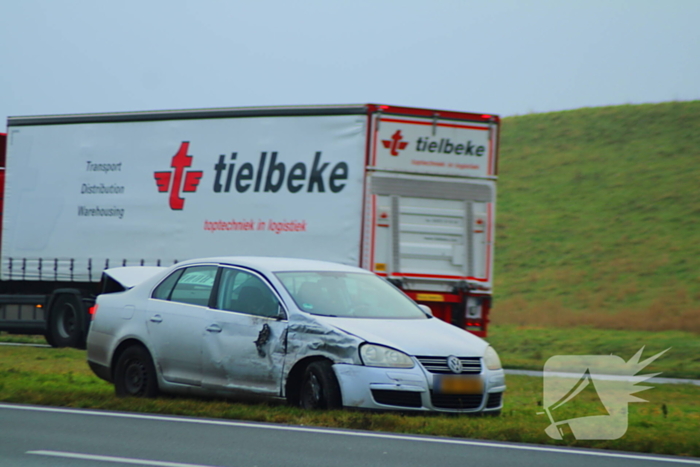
272 264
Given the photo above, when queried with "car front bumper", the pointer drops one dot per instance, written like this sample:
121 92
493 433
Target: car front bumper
412 389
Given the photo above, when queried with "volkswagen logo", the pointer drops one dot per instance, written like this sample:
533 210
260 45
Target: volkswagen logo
454 363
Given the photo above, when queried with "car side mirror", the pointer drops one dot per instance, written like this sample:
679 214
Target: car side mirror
426 309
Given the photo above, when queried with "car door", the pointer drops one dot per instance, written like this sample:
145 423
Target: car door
245 341
176 321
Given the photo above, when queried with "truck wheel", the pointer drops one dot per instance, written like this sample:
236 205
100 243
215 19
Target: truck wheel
65 325
135 374
319 387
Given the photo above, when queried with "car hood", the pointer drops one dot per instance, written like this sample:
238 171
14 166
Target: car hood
417 337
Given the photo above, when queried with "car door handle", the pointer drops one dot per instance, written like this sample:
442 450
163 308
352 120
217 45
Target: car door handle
214 328
156 318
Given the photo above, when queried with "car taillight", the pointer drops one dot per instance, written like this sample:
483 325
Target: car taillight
92 310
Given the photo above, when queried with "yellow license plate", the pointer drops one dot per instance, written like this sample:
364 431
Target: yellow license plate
429 297
458 384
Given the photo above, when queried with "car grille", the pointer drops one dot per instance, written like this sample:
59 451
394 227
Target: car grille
494 400
397 398
456 401
438 365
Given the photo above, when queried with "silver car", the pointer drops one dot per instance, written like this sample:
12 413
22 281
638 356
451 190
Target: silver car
318 334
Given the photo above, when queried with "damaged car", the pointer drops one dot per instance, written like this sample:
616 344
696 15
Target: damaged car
320 335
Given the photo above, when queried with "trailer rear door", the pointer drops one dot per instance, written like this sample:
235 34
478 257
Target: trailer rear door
430 231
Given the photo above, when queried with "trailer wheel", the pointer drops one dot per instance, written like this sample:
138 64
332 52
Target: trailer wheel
135 374
319 387
65 325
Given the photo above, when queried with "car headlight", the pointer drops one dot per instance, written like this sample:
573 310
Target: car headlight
385 357
491 359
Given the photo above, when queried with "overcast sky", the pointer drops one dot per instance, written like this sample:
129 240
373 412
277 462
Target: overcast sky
503 56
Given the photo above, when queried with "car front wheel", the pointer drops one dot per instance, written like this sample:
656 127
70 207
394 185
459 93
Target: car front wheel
319 387
135 374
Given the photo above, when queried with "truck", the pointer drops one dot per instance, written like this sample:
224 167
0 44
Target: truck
407 193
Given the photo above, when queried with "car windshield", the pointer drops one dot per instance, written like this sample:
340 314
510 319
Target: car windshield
348 295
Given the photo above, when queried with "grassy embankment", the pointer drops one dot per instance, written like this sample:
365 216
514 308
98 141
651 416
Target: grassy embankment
60 377
598 218
529 348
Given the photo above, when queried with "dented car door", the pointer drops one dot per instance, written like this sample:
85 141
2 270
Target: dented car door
245 339
176 316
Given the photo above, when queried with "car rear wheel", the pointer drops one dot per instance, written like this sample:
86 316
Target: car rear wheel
319 387
135 374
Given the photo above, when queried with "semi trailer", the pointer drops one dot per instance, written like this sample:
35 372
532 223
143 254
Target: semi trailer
407 193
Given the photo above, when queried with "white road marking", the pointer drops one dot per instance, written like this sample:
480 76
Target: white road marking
24 344
121 460
361 434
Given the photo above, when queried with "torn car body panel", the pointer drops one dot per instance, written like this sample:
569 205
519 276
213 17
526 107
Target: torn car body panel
244 353
244 327
309 336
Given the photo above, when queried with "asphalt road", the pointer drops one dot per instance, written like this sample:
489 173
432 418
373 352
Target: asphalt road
47 436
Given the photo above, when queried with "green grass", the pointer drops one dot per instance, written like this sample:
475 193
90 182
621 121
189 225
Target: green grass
529 347
599 218
22 338
667 424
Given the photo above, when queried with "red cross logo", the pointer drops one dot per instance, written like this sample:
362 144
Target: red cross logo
395 144
172 181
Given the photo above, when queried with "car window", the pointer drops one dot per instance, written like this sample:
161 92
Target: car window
163 290
191 285
348 295
244 292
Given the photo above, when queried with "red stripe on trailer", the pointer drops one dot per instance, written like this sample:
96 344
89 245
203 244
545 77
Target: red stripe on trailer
3 146
496 142
446 297
445 114
449 125
438 276
374 228
376 138
364 189
491 169
489 213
